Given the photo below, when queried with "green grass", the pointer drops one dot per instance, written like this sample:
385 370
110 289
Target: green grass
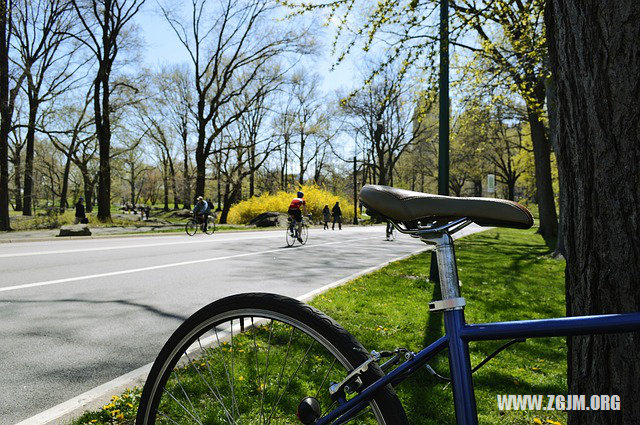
505 275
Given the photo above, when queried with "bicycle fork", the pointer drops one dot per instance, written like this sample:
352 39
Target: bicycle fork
452 306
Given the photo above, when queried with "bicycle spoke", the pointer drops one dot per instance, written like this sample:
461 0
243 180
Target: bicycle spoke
266 369
291 379
224 363
159 412
188 399
234 403
284 364
215 395
325 377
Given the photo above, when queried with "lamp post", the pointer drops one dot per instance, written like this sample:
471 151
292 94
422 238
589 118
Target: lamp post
443 121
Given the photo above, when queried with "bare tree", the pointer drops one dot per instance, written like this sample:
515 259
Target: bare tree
174 88
229 44
70 130
103 24
382 117
7 99
41 29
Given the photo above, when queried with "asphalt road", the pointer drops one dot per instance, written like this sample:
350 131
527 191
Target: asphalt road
76 314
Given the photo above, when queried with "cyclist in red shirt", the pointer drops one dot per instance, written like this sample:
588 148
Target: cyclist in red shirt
295 212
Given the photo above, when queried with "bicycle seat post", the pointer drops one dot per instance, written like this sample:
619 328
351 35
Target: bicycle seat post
452 306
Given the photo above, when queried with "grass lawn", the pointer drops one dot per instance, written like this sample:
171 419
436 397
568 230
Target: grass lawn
505 275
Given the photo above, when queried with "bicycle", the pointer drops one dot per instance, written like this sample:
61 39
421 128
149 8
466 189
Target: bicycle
265 358
195 223
292 232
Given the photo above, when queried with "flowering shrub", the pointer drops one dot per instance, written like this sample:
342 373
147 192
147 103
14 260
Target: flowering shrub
316 198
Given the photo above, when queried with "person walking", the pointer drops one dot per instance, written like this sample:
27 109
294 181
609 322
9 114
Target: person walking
81 216
337 216
326 217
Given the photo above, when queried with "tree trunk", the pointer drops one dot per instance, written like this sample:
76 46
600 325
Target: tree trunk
103 132
229 197
65 183
252 170
594 53
28 163
5 120
477 188
185 175
544 188
553 138
17 174
165 184
200 173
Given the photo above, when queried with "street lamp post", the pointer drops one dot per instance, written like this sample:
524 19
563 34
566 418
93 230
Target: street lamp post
355 191
443 121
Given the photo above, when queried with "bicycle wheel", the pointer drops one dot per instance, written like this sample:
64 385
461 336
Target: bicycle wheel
211 225
304 235
291 235
251 359
191 227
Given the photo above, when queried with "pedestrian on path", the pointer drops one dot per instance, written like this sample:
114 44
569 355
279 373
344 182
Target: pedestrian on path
337 216
81 216
326 217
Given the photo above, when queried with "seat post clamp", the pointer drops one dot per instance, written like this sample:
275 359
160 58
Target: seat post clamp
448 304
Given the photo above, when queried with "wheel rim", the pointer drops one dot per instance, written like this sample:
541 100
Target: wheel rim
211 226
254 373
191 227
305 234
291 239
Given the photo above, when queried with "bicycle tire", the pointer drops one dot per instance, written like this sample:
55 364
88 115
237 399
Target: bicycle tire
291 235
304 235
211 226
281 314
191 227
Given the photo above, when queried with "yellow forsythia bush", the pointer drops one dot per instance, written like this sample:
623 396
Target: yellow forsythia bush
316 198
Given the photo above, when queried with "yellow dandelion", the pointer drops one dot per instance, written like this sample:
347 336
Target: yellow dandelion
120 416
537 421
240 378
553 422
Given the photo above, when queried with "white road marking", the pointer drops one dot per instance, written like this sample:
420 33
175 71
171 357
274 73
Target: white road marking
163 266
109 248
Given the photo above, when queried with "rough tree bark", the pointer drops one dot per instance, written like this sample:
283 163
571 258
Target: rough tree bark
28 163
595 57
5 116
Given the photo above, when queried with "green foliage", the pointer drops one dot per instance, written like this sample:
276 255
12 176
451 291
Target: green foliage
315 196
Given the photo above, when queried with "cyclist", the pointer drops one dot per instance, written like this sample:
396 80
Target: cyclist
296 207
201 211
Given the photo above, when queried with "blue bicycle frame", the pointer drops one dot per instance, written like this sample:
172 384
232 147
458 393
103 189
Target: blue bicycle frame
458 334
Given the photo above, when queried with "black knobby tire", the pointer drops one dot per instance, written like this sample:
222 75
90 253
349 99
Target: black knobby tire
211 225
191 227
327 337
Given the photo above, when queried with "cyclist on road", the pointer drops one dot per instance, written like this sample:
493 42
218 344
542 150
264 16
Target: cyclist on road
201 211
296 207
